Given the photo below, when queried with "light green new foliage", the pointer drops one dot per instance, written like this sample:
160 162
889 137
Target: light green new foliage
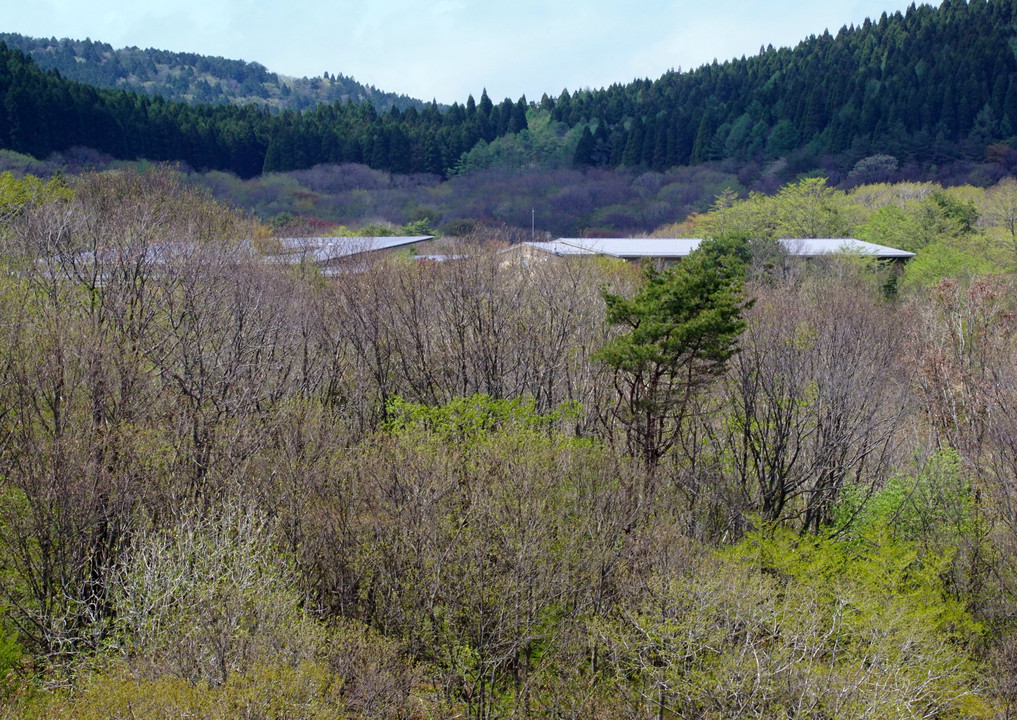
10 649
934 505
890 225
808 626
940 260
544 143
893 635
751 216
307 691
914 222
17 193
960 232
10 657
934 509
468 420
807 208
208 599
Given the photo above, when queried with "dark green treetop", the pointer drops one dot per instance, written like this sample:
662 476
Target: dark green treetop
681 329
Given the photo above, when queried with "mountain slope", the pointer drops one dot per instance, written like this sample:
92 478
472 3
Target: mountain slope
193 78
924 86
918 90
42 112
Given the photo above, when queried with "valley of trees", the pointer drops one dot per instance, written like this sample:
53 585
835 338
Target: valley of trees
745 486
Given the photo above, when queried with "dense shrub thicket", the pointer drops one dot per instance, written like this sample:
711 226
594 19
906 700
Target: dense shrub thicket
234 488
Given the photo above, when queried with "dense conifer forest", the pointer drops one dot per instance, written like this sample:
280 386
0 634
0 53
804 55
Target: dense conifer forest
44 113
926 87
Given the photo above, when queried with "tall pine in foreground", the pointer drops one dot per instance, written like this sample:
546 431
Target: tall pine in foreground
681 328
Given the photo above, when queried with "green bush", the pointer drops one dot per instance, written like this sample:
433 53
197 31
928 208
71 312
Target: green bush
10 659
940 260
933 506
307 691
469 419
786 624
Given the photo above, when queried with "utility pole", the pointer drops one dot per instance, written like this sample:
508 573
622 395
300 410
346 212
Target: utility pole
533 222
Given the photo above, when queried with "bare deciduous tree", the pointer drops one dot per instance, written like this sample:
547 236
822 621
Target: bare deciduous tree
816 394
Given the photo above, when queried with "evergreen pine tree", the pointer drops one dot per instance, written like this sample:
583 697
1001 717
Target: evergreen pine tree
583 156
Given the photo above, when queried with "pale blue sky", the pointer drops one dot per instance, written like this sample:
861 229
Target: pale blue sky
447 49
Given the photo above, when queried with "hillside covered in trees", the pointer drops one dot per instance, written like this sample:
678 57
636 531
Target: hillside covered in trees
193 78
749 485
924 86
44 113
909 92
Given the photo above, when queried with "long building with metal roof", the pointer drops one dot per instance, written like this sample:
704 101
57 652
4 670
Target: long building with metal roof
672 249
326 250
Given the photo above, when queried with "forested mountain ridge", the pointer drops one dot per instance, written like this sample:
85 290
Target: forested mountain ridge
43 112
194 78
924 86
914 90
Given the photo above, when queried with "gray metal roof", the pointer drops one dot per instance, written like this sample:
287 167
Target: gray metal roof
811 247
321 251
437 258
325 249
559 247
632 248
676 248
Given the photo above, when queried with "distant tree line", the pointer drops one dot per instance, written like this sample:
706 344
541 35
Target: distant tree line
43 112
920 88
926 86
